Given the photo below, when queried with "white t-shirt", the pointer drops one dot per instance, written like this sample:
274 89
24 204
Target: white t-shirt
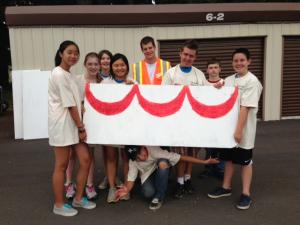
151 69
146 168
63 93
174 76
249 93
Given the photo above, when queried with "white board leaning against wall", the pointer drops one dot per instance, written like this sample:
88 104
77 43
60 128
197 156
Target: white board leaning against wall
30 98
161 115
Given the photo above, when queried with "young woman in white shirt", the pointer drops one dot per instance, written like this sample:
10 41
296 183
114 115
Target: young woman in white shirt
66 129
119 68
92 66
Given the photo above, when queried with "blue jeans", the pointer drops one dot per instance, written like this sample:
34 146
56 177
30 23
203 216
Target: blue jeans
156 185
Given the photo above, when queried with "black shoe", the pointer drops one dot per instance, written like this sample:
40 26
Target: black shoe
219 192
179 192
188 188
244 202
155 204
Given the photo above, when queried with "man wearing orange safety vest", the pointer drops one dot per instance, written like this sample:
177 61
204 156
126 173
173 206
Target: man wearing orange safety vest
151 69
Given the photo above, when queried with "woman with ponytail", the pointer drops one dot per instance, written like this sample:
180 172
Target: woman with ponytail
66 130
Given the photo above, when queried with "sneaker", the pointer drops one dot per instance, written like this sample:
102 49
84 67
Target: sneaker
126 197
104 184
70 190
179 191
65 210
84 203
90 192
188 188
244 202
111 197
219 192
155 204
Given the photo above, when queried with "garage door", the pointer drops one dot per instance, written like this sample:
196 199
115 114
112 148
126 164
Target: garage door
290 102
221 49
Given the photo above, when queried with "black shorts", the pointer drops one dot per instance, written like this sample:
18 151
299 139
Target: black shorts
237 155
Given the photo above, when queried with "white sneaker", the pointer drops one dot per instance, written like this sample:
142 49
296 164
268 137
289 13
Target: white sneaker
111 197
65 210
84 203
104 184
125 197
90 192
155 204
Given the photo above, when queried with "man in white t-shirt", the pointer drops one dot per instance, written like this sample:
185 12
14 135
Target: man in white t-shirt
249 94
185 74
152 165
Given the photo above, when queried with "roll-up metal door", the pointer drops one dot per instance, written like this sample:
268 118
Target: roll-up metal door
222 49
290 102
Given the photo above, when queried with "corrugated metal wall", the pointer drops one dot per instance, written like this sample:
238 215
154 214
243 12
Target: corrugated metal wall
34 47
290 103
222 49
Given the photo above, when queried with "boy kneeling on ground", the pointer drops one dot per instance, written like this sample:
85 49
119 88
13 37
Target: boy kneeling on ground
153 163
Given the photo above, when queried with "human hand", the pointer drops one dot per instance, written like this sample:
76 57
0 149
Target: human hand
158 75
82 136
211 161
237 136
129 82
121 192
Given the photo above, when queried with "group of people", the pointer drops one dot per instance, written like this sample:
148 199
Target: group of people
67 133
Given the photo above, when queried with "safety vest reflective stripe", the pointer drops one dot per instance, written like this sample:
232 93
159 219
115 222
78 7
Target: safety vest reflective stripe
140 73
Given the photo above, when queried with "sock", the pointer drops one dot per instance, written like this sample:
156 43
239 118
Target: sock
187 177
67 183
180 180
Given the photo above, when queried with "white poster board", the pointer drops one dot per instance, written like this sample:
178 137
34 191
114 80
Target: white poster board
161 115
30 103
35 104
17 80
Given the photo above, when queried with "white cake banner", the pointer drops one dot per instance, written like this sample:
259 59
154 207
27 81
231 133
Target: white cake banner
161 115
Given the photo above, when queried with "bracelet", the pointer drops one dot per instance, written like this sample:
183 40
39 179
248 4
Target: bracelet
81 130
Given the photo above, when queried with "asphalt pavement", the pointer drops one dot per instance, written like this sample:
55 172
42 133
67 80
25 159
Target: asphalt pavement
26 196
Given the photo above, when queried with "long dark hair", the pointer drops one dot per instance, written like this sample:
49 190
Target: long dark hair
61 49
116 57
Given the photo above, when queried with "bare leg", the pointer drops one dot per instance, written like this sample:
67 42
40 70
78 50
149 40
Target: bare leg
228 173
90 179
69 172
83 155
246 174
188 169
180 169
104 156
58 178
125 164
111 169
